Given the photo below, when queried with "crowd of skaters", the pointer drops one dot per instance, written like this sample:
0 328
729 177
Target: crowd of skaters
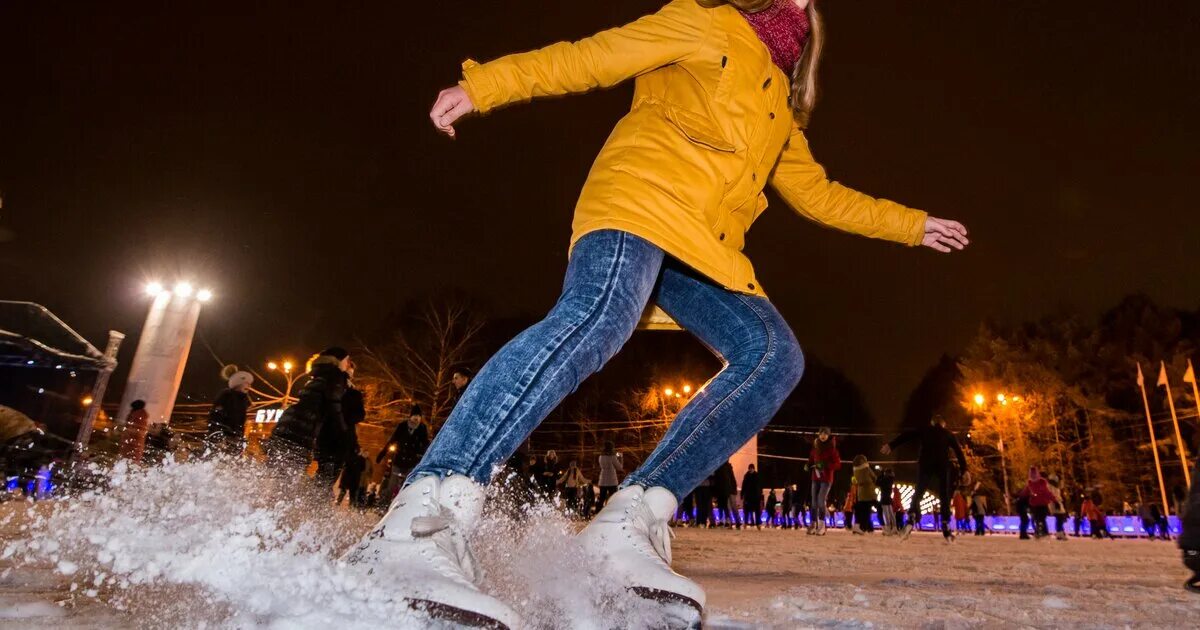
321 426
328 408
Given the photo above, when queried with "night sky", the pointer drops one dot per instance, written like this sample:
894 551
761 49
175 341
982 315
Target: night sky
280 152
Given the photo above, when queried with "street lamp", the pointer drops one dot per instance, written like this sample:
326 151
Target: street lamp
287 375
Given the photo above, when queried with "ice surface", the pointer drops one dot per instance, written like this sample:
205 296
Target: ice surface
227 544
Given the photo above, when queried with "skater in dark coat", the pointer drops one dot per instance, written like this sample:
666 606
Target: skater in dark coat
724 489
934 466
227 418
772 506
410 439
886 481
789 499
318 404
1189 540
752 499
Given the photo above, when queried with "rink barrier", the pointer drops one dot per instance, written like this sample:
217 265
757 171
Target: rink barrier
1118 526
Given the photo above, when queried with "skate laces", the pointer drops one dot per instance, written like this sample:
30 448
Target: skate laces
657 532
455 559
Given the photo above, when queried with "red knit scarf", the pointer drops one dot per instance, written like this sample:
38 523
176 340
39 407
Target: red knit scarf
783 27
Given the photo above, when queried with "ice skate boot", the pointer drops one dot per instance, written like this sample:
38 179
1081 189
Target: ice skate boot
1060 535
857 529
421 546
630 536
906 531
947 535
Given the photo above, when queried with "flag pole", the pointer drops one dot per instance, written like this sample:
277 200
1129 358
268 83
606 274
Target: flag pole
1153 442
1187 475
1190 377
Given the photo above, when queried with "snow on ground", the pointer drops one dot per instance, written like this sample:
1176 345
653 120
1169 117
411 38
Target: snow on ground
223 544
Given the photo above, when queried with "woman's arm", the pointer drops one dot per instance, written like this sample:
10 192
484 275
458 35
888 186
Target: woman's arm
803 184
671 35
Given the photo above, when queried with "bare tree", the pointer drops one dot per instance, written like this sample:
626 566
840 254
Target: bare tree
430 340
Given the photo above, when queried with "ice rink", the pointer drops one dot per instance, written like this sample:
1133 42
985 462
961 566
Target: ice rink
188 546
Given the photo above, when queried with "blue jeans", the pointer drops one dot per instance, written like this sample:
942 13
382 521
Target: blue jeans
611 277
818 504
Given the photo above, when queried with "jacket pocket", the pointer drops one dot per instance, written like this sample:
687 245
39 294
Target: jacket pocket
699 130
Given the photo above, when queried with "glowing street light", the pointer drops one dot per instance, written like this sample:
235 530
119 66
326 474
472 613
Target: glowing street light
183 289
687 389
979 400
154 289
669 392
204 295
87 401
286 366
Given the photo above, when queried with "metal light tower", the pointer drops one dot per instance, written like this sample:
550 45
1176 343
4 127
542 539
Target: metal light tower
162 350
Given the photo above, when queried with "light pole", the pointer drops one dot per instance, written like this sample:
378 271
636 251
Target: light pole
163 348
286 368
980 403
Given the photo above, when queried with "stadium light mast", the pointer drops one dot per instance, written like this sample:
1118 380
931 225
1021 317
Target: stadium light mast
163 348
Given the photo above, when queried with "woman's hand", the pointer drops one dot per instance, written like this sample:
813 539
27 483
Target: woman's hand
452 104
943 235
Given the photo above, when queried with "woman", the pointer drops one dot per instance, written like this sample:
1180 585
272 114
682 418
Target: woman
723 92
865 488
572 481
133 437
824 460
611 467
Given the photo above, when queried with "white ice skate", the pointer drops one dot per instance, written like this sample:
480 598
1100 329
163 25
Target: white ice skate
631 537
421 545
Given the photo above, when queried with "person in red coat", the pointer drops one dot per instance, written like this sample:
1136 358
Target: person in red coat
823 461
133 439
1040 496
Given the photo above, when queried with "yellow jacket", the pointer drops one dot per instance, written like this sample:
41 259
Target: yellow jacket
709 127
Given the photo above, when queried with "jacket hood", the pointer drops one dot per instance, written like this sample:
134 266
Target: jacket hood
862 466
323 359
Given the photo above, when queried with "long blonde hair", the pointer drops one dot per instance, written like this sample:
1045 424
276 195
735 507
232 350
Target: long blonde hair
804 75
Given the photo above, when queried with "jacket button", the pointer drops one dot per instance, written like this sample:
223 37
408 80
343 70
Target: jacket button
724 60
722 236
767 83
750 286
771 115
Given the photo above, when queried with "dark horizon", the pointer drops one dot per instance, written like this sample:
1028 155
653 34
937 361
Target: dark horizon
281 154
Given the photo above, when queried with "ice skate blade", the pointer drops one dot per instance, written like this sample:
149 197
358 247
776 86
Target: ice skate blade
684 613
459 617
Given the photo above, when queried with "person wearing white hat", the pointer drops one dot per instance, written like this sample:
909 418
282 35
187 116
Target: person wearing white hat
227 419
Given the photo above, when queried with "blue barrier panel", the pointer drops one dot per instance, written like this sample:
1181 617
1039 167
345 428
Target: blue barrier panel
1118 526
